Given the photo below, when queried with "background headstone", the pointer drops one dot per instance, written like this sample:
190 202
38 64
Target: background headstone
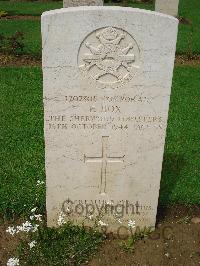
107 75
73 3
169 7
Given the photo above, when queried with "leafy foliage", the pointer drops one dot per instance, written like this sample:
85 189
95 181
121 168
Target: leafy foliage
66 245
12 44
3 13
140 233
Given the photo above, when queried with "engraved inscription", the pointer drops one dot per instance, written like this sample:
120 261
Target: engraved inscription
105 112
110 99
104 159
114 122
109 56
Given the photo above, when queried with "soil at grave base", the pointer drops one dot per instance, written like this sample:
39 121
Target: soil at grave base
194 60
8 243
175 242
22 60
26 60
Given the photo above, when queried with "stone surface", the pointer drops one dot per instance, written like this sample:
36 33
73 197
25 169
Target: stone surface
73 3
195 220
169 7
107 75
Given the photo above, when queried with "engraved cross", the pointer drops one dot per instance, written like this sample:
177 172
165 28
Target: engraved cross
104 159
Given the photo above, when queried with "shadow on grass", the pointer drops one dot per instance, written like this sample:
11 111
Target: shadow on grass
171 173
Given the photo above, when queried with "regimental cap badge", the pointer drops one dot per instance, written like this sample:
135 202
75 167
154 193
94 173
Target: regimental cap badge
109 56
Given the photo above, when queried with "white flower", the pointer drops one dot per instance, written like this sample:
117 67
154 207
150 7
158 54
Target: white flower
119 221
39 183
61 219
34 209
26 227
101 223
38 217
131 224
11 230
13 262
90 217
32 244
35 228
19 228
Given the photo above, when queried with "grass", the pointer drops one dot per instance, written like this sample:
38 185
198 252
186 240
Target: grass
28 8
22 144
67 245
31 30
22 149
181 174
188 36
189 9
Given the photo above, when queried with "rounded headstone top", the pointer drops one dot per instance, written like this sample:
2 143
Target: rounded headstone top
107 9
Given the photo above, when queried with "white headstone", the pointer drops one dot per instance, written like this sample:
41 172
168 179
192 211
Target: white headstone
73 3
107 75
169 7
